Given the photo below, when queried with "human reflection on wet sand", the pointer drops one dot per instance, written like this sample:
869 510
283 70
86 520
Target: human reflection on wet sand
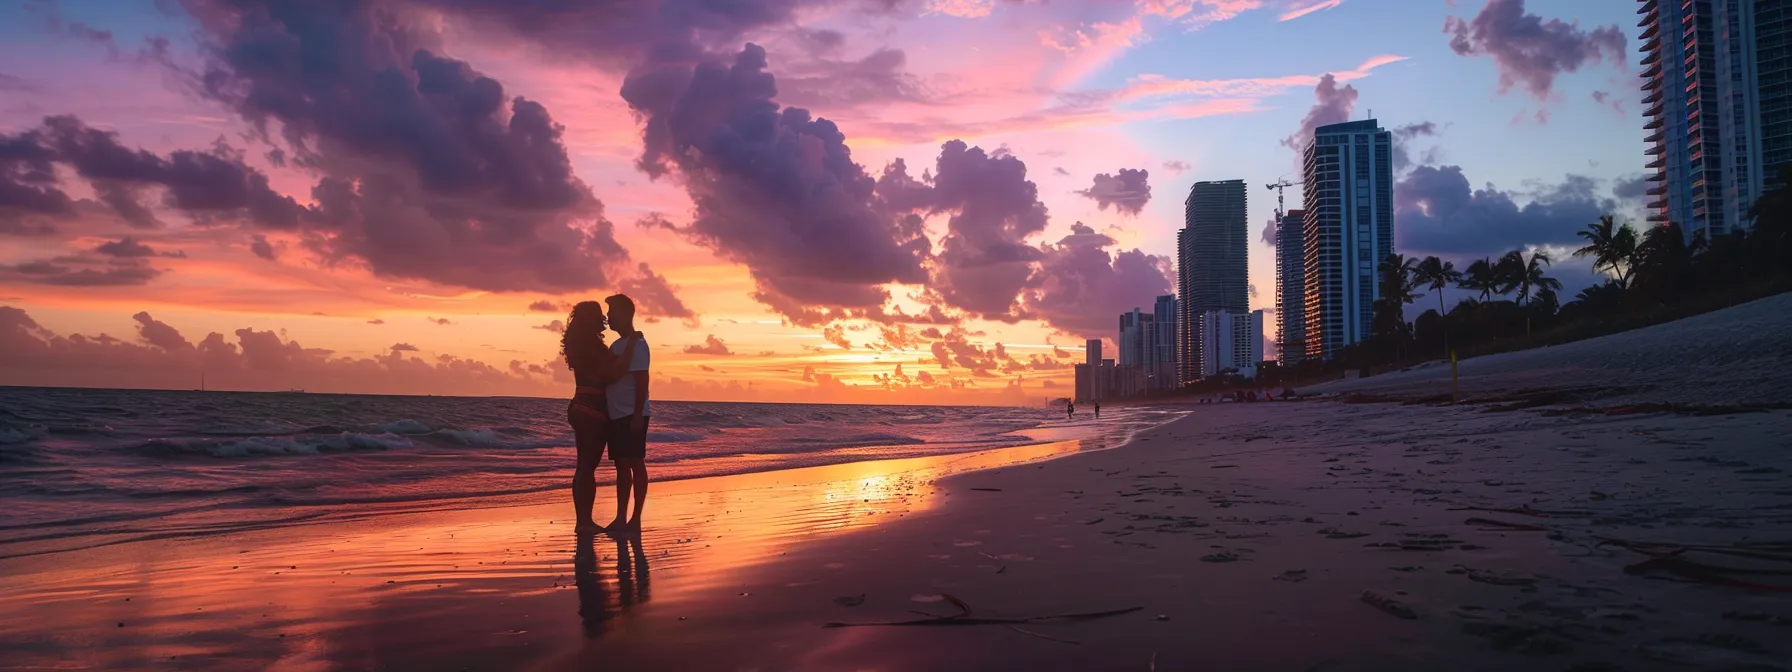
631 586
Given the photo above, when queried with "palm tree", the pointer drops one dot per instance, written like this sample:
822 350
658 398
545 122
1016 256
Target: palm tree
1397 284
1664 261
1508 272
1599 299
1770 239
1480 277
1437 274
1613 247
1546 302
1532 278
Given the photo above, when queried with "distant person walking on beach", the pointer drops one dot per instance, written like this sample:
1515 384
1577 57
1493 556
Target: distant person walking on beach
594 367
1097 410
629 413
1069 409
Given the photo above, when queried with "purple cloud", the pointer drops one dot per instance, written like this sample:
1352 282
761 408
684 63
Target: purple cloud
1405 134
1127 190
711 346
260 247
1529 51
655 297
1081 283
1437 212
1332 104
985 260
126 247
161 357
775 189
430 170
82 271
159 334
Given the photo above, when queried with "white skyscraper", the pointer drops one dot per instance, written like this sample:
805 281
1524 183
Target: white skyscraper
1349 230
1231 342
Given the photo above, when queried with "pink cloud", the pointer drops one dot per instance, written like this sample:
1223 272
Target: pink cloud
159 356
1302 8
1151 86
964 9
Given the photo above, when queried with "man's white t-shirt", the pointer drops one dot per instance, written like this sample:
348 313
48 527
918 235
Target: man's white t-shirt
621 394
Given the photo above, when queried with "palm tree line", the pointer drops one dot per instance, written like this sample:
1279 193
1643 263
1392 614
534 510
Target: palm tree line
1649 275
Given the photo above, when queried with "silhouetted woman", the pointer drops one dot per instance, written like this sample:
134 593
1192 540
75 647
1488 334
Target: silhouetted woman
593 366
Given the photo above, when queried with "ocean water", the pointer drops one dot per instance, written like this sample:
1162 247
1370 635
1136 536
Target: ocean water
81 467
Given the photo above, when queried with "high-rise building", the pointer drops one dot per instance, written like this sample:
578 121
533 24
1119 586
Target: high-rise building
1092 352
1348 229
1717 95
1135 337
1231 342
1291 291
1211 258
1162 372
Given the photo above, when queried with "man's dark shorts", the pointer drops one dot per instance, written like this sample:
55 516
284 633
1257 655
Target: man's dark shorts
626 444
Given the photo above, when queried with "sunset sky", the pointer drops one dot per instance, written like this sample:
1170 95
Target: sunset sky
405 196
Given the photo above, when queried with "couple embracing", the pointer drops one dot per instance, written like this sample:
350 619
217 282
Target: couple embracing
609 408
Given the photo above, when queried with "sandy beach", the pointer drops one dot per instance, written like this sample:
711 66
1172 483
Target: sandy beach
1344 532
1243 536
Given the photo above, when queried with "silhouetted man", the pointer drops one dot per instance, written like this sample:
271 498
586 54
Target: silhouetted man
629 412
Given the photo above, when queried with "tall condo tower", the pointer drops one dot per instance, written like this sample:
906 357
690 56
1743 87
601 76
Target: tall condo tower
1348 229
1291 288
1717 99
1211 263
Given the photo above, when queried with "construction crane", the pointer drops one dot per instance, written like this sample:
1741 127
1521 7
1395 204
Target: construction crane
1280 185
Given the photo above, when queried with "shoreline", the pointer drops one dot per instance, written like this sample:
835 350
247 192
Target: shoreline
322 555
1253 530
51 537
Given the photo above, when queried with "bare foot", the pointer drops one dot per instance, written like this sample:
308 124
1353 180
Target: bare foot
587 526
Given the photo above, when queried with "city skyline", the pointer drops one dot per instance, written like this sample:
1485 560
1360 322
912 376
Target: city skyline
312 277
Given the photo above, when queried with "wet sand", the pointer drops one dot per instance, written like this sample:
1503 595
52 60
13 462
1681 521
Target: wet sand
1246 535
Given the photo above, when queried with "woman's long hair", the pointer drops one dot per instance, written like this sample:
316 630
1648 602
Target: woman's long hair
582 344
